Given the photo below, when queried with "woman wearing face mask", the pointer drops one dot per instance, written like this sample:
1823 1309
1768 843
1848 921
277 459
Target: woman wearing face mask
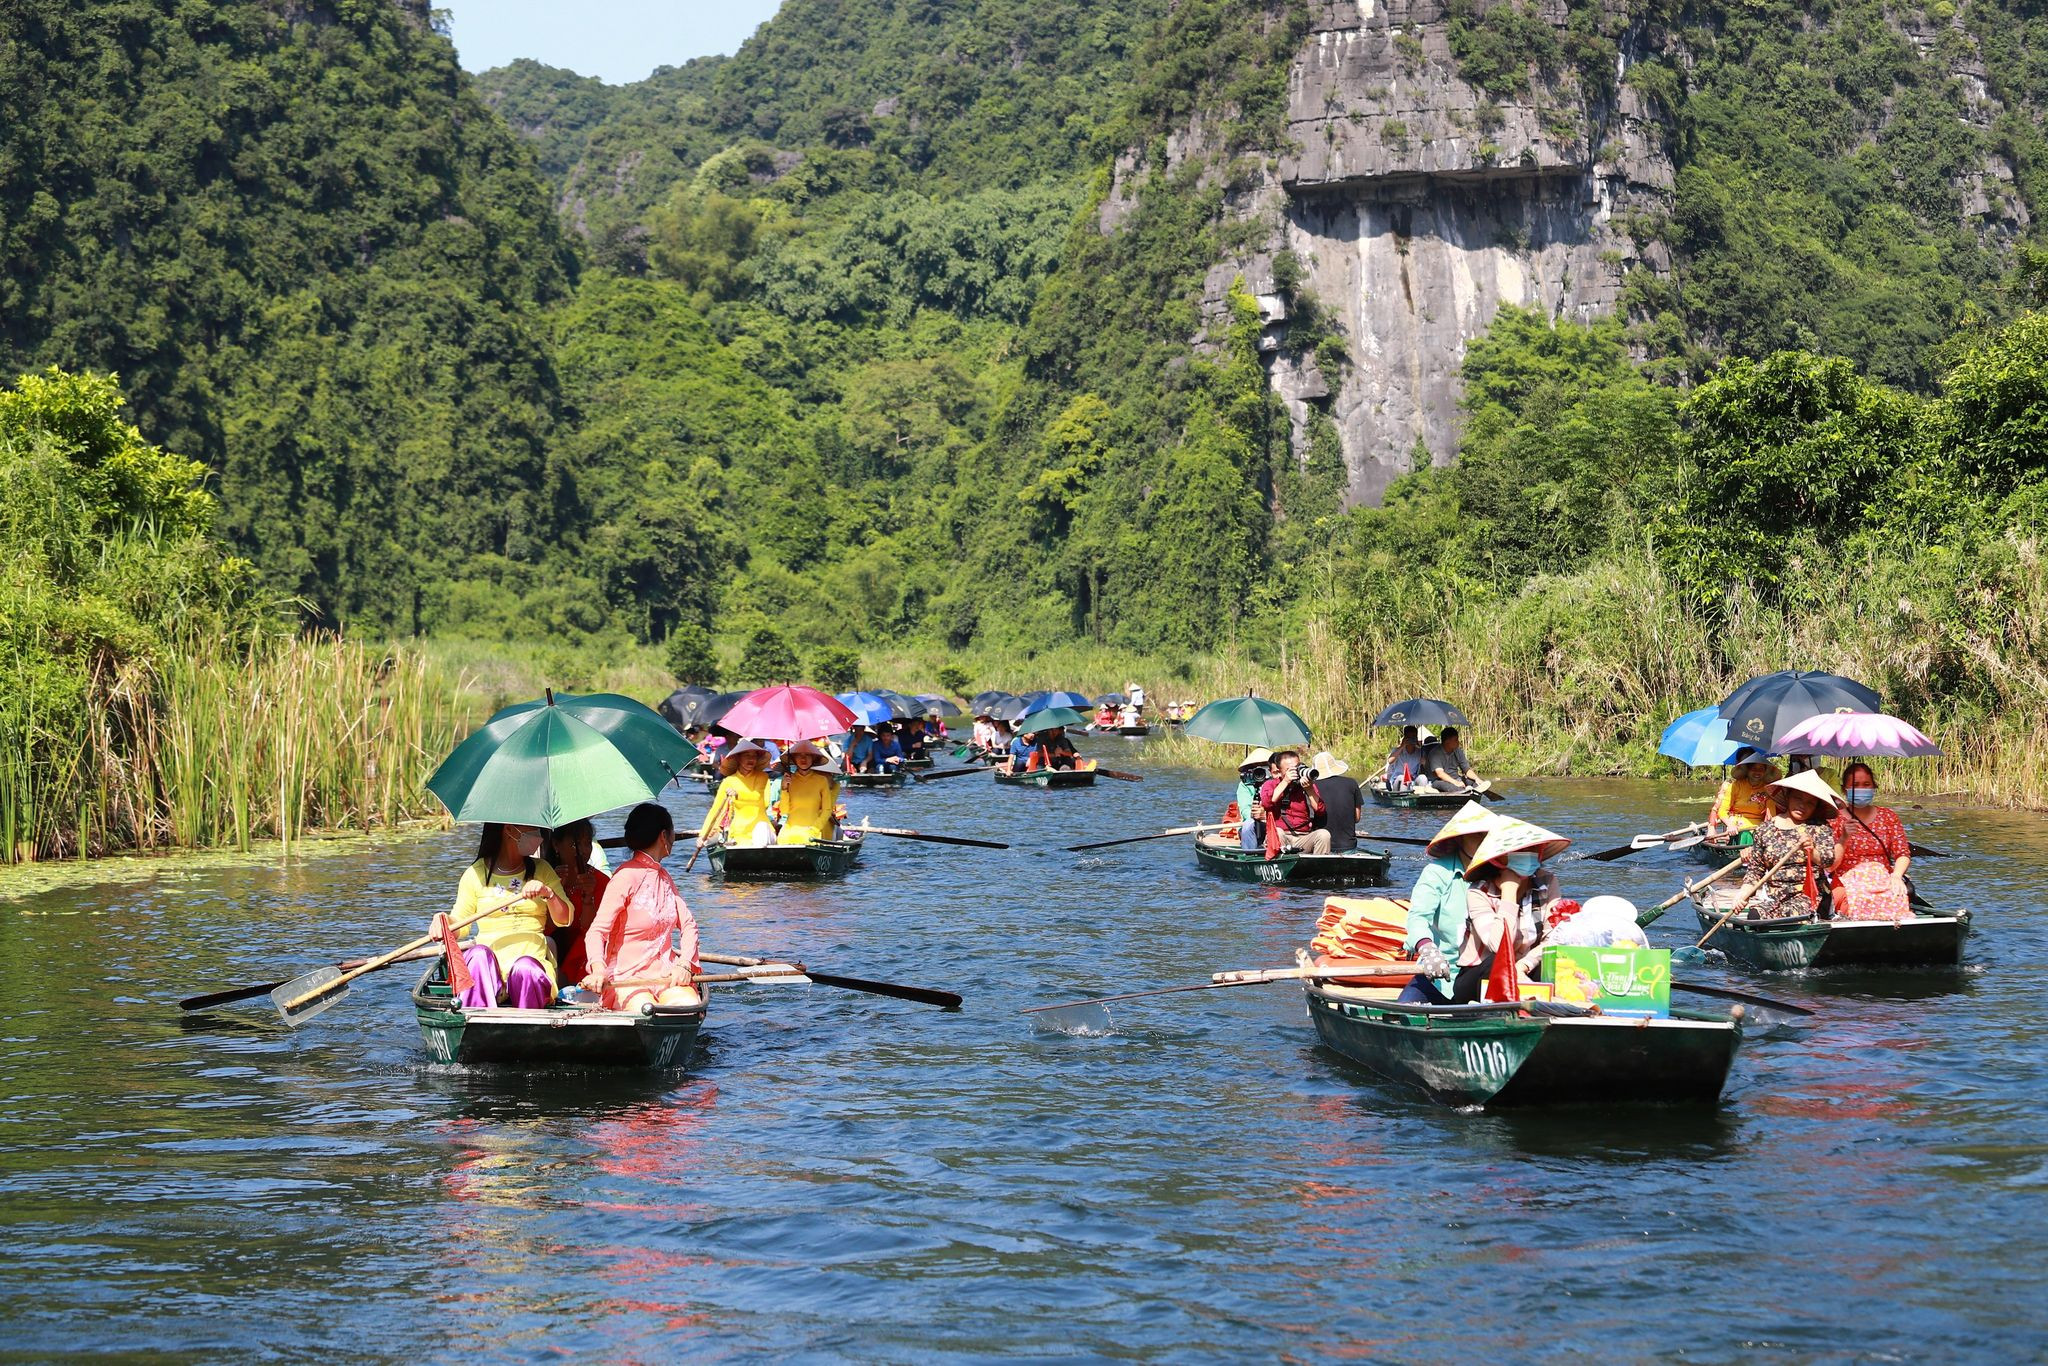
1508 890
509 955
1870 882
633 940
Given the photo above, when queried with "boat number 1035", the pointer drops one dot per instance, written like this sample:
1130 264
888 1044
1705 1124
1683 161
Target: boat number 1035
1485 1058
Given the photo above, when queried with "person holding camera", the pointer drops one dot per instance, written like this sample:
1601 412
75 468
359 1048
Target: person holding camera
1290 801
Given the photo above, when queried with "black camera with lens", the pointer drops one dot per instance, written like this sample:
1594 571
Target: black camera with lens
1257 774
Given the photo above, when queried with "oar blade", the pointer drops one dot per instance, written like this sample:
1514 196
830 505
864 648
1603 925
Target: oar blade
945 1000
222 998
300 999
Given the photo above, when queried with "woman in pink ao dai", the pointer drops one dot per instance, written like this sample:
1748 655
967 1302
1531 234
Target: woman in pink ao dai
632 946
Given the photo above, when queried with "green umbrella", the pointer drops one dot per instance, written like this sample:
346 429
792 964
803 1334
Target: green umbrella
558 760
1050 717
1248 720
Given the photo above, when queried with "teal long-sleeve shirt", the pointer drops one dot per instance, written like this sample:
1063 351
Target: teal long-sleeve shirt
1437 910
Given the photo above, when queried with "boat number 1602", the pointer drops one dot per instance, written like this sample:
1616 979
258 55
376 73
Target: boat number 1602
1489 1059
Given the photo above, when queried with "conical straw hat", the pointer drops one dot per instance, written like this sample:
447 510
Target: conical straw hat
1813 785
1513 836
1473 818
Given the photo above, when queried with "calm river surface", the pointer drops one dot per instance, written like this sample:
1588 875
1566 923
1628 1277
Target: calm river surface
846 1176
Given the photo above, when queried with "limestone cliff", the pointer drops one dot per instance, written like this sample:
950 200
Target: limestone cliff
1418 206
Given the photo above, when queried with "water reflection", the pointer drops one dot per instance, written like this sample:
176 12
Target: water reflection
846 1176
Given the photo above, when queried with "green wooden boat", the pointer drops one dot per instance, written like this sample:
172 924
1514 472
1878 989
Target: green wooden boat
1053 779
896 779
1132 730
1358 868
1719 850
783 862
1382 795
1788 945
1504 1055
656 1038
919 761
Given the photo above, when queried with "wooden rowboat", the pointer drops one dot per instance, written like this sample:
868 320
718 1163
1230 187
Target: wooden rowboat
896 779
1132 730
1508 1055
1788 945
1383 795
783 862
919 761
1049 778
1718 850
1357 868
656 1038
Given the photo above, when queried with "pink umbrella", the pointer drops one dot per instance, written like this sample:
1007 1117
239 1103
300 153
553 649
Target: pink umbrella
789 712
1857 733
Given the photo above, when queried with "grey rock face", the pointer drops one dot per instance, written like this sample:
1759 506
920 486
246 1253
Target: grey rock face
1419 206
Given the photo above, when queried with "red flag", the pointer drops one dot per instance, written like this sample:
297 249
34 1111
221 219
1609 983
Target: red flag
1503 983
1272 835
459 976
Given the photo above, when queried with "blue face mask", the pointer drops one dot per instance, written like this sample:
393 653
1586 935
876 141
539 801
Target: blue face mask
1525 864
1861 796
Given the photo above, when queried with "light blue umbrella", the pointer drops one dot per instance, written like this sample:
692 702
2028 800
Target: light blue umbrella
869 709
1699 738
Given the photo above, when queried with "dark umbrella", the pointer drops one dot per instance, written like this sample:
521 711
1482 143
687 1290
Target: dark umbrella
684 708
1109 699
672 706
901 707
1054 697
1421 711
1764 710
1009 709
983 699
941 707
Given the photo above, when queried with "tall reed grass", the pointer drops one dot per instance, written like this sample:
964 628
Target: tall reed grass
224 746
1579 673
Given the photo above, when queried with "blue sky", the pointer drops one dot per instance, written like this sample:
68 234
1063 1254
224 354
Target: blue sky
615 40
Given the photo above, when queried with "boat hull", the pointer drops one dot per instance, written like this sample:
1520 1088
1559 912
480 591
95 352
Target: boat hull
1051 779
1500 1058
1417 801
661 1039
1924 941
1133 730
783 862
872 779
1359 868
1717 851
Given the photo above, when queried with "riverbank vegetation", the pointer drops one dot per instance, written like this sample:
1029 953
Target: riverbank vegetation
883 346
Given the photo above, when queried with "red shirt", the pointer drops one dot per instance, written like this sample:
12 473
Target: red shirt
1877 837
1293 814
585 896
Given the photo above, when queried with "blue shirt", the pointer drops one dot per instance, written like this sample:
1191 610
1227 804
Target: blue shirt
1020 750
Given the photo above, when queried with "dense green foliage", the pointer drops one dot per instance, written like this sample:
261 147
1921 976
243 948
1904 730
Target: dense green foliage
890 326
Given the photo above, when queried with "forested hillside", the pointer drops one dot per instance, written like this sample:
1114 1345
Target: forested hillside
890 327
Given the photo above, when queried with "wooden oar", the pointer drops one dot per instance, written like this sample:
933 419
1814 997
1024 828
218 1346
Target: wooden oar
1745 898
894 833
1392 839
1390 973
1922 851
1160 835
945 1000
1701 989
1645 917
1640 843
233 994
1118 774
307 995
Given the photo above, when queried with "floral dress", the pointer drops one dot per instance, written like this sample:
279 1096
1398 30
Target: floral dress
1794 890
1873 842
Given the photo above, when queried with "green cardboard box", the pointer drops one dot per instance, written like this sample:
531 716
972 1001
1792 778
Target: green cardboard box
1636 981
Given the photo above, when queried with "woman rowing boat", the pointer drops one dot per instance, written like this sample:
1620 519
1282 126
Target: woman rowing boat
509 954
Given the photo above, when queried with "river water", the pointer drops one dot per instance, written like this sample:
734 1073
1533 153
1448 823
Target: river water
845 1176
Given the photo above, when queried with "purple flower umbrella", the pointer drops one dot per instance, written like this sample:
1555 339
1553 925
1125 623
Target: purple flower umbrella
1848 734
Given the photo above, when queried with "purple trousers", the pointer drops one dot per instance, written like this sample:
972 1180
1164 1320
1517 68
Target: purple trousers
527 987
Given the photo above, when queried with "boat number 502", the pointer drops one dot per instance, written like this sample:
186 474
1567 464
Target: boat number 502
1489 1059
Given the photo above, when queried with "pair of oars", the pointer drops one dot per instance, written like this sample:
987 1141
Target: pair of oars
1642 842
1700 988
